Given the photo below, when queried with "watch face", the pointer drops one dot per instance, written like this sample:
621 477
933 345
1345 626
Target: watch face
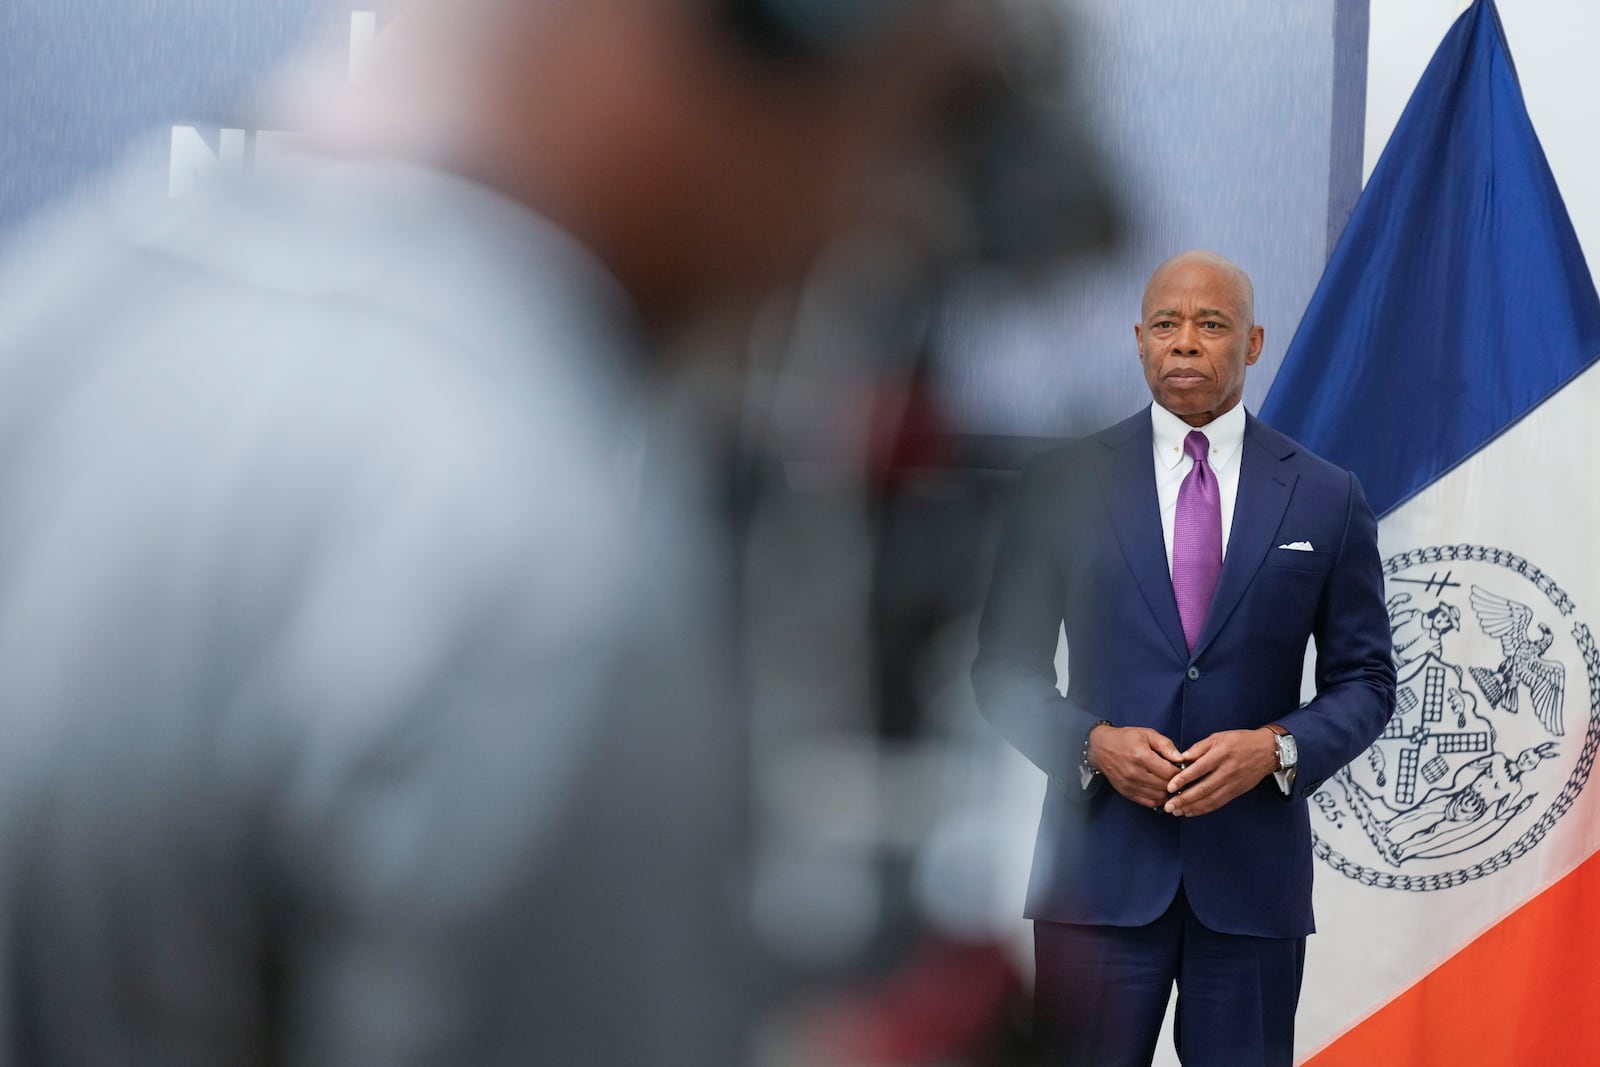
1288 751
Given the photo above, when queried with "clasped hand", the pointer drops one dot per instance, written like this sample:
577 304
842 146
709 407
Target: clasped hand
1147 768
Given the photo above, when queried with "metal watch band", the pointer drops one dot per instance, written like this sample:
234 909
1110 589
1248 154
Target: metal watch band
1091 768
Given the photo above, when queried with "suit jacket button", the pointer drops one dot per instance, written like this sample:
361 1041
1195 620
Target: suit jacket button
1194 672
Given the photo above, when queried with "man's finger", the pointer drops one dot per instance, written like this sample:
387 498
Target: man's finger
1163 747
1187 804
1192 791
1190 773
1206 796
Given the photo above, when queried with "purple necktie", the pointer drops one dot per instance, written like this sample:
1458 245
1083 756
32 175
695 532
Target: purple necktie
1196 539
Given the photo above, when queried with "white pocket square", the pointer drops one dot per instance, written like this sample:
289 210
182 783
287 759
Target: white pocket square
1298 546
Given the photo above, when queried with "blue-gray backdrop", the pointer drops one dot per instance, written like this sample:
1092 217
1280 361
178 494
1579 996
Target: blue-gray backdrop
1229 124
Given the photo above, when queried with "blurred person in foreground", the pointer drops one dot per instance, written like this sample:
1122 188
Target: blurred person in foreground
363 664
1190 552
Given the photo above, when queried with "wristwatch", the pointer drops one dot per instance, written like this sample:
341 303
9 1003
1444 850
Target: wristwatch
1288 757
1087 771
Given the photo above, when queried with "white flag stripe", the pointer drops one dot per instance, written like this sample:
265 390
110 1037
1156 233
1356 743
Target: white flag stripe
1531 492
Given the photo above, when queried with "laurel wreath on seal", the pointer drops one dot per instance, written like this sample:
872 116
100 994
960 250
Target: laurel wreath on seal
1580 772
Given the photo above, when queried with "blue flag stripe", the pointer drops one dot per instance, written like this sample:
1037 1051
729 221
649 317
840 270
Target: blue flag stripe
1457 300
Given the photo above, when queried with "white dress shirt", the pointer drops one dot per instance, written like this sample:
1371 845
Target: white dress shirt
1226 434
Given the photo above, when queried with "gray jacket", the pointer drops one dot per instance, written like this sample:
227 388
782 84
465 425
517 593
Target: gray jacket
362 696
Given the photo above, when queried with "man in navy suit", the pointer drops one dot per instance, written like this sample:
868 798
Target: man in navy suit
1190 553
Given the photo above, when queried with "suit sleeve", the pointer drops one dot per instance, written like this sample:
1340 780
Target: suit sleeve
1014 675
1355 675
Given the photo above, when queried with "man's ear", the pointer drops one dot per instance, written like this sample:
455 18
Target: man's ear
1257 336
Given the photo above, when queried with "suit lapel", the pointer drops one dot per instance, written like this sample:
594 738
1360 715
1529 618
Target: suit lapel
1128 487
1265 485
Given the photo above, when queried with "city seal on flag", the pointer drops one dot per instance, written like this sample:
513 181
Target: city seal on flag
1494 732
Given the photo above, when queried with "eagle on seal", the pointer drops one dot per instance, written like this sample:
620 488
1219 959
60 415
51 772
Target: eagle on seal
1508 621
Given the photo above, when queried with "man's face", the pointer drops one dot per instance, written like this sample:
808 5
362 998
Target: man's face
1196 339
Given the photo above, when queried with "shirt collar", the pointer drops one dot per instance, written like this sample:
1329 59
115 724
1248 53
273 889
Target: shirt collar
1225 432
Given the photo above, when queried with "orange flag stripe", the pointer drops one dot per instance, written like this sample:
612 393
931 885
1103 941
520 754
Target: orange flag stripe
1526 992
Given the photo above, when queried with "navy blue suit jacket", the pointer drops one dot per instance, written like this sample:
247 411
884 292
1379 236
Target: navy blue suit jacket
1084 549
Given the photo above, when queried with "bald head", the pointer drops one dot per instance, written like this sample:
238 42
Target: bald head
1223 269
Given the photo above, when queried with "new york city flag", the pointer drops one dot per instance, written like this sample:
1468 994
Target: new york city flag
1448 358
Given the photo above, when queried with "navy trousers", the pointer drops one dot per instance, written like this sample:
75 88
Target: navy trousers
1101 993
